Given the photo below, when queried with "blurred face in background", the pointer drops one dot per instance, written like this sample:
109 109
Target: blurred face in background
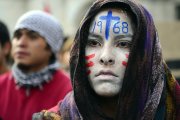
4 53
107 51
1 55
30 50
64 54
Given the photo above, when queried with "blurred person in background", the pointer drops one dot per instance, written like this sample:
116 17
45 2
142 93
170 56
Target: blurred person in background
64 54
35 82
5 48
117 68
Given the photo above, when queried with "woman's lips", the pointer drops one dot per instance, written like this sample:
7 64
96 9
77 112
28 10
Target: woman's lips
108 73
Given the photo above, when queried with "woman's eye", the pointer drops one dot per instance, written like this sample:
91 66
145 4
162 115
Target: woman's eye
93 43
124 44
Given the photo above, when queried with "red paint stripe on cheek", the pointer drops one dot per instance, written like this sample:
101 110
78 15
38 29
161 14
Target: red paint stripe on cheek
90 64
89 56
124 63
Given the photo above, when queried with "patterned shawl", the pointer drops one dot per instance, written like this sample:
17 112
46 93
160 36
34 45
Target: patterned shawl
149 90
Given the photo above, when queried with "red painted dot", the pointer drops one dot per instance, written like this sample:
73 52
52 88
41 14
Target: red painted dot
124 63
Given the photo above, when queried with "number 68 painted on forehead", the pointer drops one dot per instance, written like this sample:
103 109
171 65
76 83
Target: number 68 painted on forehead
118 27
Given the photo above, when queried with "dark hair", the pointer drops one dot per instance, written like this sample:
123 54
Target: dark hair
5 38
4 34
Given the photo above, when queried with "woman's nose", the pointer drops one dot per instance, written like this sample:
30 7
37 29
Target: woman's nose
107 61
107 57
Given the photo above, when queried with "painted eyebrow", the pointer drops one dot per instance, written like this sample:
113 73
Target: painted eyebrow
123 36
94 36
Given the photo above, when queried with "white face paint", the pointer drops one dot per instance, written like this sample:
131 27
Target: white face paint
107 50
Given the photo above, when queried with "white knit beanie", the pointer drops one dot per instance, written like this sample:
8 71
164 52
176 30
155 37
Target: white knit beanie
44 24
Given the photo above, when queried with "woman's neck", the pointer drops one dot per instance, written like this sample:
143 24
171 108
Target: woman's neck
109 106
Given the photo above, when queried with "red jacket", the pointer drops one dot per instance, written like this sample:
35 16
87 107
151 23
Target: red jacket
15 105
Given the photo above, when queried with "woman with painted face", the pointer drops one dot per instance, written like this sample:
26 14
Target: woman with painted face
126 77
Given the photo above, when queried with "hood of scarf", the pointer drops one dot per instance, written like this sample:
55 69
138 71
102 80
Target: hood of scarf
145 88
68 108
35 79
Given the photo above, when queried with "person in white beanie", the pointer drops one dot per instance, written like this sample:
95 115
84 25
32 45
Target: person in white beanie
35 82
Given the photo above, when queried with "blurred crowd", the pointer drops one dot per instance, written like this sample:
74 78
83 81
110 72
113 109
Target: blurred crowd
33 65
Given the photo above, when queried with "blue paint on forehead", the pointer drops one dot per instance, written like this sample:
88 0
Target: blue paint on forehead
108 19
